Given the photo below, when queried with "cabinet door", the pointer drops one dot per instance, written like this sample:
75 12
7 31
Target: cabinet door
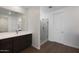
19 44
22 42
6 45
28 39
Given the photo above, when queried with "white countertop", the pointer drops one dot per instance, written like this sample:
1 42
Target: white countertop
13 34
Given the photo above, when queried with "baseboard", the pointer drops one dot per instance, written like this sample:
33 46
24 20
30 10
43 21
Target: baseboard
43 42
66 44
37 47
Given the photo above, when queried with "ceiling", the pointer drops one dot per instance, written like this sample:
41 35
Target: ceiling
57 7
53 7
46 8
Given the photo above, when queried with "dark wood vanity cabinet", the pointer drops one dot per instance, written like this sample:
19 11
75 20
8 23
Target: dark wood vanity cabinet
6 45
15 44
22 42
19 43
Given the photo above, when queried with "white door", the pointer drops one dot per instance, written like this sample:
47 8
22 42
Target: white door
59 26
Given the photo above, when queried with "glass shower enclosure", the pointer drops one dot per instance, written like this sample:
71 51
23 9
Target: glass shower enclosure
43 30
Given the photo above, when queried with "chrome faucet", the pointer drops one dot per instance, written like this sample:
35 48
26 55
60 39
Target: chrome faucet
17 31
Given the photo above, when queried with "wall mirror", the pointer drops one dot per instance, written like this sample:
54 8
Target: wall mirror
11 21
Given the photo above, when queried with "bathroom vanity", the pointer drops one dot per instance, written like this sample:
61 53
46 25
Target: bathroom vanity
14 34
16 42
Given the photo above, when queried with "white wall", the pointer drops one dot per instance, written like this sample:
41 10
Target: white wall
43 12
34 25
71 26
51 28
